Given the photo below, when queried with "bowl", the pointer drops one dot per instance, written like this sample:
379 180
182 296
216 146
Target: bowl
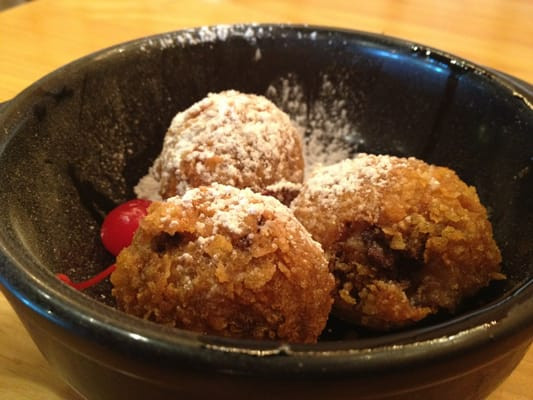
74 144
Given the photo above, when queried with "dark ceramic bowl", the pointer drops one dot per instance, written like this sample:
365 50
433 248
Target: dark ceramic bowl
74 144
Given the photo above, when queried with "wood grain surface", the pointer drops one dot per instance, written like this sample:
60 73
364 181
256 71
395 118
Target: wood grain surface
37 37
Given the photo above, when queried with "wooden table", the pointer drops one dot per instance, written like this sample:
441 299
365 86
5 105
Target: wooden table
40 36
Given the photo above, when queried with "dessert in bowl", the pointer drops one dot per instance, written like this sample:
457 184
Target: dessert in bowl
77 142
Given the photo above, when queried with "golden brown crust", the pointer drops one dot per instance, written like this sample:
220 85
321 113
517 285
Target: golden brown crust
226 261
403 238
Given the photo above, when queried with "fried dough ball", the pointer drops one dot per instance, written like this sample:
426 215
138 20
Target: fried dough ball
403 238
226 261
236 139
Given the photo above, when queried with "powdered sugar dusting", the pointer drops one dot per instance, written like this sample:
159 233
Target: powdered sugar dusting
228 207
329 136
284 185
365 172
148 188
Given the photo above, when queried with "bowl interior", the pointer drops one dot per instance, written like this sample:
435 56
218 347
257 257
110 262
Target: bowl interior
82 137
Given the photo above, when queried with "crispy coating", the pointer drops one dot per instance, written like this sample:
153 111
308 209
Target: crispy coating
226 261
403 238
231 138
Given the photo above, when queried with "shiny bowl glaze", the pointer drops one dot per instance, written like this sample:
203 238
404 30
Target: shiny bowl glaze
74 144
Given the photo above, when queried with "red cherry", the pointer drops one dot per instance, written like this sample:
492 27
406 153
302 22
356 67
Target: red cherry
121 223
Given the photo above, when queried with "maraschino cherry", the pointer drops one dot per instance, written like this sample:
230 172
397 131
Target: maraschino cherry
116 233
121 224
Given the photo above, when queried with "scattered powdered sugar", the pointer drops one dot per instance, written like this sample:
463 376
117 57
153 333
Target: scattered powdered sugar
329 136
205 34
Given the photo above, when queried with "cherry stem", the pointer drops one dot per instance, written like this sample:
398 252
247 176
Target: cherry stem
89 282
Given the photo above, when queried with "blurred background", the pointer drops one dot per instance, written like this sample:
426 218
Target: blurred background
39 36
10 3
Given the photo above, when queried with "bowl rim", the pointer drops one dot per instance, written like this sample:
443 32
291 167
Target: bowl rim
76 312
